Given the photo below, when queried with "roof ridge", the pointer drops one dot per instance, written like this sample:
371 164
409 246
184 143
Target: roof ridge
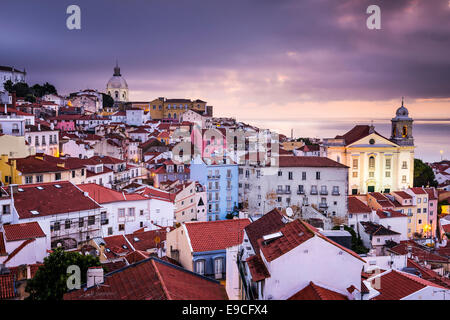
161 280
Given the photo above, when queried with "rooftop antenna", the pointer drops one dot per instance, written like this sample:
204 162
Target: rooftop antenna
403 98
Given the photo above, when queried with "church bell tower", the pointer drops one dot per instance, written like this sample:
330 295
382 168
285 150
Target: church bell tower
402 127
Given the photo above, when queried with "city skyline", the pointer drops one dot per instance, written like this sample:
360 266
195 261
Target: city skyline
298 60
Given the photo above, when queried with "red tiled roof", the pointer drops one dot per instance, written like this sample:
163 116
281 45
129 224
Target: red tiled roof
152 279
314 292
294 234
154 193
429 274
269 223
358 132
136 256
144 240
7 290
23 231
395 285
257 268
215 235
31 164
417 190
384 214
2 245
431 193
295 161
357 206
116 246
421 254
403 194
51 200
103 194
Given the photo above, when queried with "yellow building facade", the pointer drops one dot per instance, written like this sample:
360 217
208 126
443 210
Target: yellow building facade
376 163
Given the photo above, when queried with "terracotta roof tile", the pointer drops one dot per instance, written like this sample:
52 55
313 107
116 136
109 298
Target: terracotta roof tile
51 199
103 194
296 161
23 231
258 269
293 234
152 279
216 235
269 223
389 213
315 292
7 290
356 206
396 285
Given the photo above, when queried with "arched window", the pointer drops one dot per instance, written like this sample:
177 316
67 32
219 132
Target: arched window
405 131
372 162
174 115
169 116
116 94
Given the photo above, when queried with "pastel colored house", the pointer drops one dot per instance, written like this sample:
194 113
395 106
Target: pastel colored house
201 246
221 181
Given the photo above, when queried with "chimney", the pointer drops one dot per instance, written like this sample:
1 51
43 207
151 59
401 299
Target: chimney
14 99
341 227
94 276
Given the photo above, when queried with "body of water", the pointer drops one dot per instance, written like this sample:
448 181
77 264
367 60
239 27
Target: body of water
430 136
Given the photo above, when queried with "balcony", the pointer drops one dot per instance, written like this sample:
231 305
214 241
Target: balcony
104 221
323 206
214 177
229 177
280 191
323 192
287 191
336 193
313 192
300 191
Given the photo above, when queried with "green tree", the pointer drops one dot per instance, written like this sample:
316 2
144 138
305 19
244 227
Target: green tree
423 175
8 85
22 89
50 281
357 244
108 101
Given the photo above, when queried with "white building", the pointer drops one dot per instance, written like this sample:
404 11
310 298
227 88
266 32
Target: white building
121 213
66 214
24 243
11 73
297 181
44 139
279 258
376 163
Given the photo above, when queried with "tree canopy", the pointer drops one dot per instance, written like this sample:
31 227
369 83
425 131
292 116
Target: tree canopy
357 244
50 281
30 93
423 175
108 101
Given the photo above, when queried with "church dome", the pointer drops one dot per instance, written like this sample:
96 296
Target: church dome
402 113
116 81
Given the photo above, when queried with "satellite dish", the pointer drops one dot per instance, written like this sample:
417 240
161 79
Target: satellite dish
289 212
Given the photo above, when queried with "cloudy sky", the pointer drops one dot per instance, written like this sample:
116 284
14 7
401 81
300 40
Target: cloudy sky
259 60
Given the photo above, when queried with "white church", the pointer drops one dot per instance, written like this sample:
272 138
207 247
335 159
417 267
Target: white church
376 163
